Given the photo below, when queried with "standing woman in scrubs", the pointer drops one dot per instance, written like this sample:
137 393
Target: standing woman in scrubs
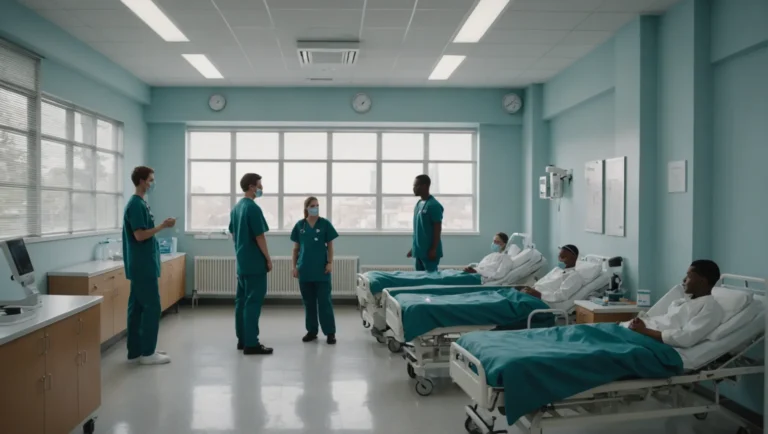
427 247
312 264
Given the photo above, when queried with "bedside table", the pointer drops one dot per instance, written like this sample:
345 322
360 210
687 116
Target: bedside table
588 312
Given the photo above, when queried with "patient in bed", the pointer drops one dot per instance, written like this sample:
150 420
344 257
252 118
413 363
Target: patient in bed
497 264
562 282
691 319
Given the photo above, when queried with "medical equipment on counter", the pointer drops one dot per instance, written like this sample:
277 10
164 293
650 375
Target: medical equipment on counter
109 250
22 271
556 178
614 291
643 298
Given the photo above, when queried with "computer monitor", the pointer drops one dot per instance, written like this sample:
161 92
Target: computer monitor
18 260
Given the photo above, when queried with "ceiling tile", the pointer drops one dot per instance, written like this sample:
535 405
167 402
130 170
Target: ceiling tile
448 18
314 4
509 50
445 4
382 38
625 5
245 18
173 5
40 4
435 37
110 18
197 19
220 33
307 18
91 4
138 49
256 35
62 18
416 63
489 63
549 63
115 34
555 5
570 51
257 5
585 37
289 35
606 21
505 36
390 4
520 20
387 18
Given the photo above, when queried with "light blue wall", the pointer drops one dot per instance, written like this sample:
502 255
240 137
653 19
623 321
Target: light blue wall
738 25
535 157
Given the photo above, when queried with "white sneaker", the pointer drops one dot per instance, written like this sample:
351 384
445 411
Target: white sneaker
138 359
155 359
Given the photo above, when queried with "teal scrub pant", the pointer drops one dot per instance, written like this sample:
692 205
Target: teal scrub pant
427 265
143 317
251 291
317 300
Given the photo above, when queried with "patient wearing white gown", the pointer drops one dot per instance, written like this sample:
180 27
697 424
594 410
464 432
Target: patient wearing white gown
688 320
563 281
498 263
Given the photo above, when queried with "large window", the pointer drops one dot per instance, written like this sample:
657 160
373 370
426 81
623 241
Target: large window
363 177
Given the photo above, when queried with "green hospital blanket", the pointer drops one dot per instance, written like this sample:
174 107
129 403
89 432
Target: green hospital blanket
541 366
432 307
381 280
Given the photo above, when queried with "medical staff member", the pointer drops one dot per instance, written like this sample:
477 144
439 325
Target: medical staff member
312 239
427 248
563 281
141 253
248 228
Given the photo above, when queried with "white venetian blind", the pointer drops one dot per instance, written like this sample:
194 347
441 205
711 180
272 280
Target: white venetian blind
19 123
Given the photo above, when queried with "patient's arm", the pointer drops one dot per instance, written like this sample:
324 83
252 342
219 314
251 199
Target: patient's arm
639 326
470 270
530 291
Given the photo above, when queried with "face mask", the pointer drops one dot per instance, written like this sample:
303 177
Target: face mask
151 187
561 265
259 192
314 212
495 248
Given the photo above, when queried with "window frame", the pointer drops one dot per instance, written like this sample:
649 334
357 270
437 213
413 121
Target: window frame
329 162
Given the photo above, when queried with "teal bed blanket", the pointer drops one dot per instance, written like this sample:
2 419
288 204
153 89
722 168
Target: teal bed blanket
381 280
432 307
541 366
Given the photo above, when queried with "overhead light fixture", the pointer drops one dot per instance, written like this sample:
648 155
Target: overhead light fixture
445 67
148 11
480 20
202 64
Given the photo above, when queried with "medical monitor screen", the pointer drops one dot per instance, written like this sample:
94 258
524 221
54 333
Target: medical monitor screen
20 256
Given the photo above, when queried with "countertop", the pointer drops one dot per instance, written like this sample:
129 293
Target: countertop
54 308
94 268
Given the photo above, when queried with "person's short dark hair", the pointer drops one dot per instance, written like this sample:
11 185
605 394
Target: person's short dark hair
707 269
571 248
141 173
504 237
248 180
424 180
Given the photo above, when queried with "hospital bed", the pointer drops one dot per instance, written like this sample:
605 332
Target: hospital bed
723 356
528 266
429 353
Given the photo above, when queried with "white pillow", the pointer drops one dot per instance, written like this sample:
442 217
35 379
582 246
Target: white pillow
513 250
732 301
522 258
737 321
588 270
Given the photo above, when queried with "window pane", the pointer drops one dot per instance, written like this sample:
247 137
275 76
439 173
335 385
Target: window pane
270 175
209 212
105 135
106 216
16 110
402 146
258 146
305 178
83 212
83 168
293 209
54 121
268 206
85 129
53 164
213 146
55 212
210 178
354 146
14 165
458 213
13 212
451 178
397 178
354 178
105 172
354 212
306 146
450 146
397 212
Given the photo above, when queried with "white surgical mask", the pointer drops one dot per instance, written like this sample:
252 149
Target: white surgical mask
314 212
495 248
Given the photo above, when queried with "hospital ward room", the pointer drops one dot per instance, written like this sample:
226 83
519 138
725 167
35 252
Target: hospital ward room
383 216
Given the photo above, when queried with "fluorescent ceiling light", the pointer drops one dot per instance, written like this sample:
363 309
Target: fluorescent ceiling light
202 64
156 20
480 20
445 67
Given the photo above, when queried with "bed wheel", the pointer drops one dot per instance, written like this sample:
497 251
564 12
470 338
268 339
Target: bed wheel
366 324
424 386
381 339
394 346
701 416
411 372
470 426
89 427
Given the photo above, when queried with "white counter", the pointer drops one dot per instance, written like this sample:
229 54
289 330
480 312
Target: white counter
597 308
54 308
94 268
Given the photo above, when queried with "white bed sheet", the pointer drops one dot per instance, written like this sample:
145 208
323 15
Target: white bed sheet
519 274
602 280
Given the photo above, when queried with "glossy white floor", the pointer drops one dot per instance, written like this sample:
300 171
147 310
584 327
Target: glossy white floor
355 387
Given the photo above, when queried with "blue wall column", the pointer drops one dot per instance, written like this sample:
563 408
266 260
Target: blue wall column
535 158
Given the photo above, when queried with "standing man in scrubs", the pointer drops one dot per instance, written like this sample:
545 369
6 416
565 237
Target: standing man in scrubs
141 253
248 228
312 239
427 248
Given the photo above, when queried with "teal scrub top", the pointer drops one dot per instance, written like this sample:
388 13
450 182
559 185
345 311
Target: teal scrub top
142 258
313 248
425 215
246 222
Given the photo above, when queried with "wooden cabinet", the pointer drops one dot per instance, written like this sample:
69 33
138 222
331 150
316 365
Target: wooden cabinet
116 290
586 316
51 386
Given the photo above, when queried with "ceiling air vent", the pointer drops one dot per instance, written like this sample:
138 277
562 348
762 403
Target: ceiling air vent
327 53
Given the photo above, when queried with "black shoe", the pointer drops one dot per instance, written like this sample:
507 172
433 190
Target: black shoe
332 339
309 337
260 350
240 345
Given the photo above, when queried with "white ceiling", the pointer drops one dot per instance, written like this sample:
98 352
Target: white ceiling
253 42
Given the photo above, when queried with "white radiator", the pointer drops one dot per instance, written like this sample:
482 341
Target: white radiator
366 268
217 275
